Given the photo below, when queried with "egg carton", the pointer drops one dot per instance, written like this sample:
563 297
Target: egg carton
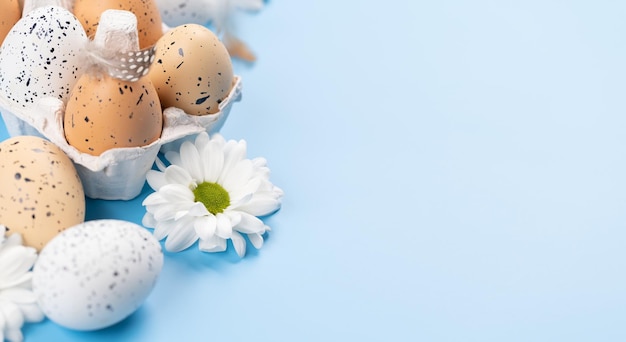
118 173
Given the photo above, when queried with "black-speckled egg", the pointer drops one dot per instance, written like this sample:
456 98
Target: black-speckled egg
192 70
41 57
41 192
95 274
105 113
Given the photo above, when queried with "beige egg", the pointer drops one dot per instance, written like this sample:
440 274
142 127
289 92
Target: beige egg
104 113
149 23
192 70
42 194
10 13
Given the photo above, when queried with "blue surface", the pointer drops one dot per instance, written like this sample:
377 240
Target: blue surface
453 170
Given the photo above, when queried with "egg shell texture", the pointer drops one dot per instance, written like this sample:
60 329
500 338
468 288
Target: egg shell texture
95 274
41 191
149 25
105 113
10 13
41 56
192 70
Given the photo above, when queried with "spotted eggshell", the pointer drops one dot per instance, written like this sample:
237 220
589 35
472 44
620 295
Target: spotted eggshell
105 113
41 192
9 15
41 57
180 12
149 25
95 274
192 70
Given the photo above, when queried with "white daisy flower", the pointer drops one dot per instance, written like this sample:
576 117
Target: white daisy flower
18 303
210 192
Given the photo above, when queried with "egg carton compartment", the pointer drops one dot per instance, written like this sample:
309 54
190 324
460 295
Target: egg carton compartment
119 173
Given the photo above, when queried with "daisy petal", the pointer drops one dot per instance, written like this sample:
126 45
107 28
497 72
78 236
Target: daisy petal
239 243
249 224
224 228
201 140
12 315
15 262
205 226
259 162
177 175
198 209
153 199
168 211
14 335
239 174
173 158
177 192
182 236
162 229
235 204
256 240
160 165
246 189
214 244
155 179
18 295
260 206
23 281
213 161
13 240
191 161
32 313
234 217
235 155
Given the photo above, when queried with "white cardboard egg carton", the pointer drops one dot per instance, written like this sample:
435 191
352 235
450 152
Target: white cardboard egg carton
119 173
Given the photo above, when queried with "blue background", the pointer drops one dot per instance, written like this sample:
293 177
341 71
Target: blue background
453 170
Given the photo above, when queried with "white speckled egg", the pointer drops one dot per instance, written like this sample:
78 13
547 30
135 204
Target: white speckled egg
41 192
97 273
43 49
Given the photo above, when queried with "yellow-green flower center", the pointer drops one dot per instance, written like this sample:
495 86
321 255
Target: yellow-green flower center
213 196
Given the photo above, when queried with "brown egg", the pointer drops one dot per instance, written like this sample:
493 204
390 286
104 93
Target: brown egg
42 194
10 13
192 70
104 113
148 17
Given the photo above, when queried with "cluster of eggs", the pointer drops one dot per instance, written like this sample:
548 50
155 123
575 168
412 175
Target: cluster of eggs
93 274
192 70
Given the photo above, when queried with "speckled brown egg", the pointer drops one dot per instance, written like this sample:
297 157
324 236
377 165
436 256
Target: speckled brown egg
192 70
105 113
10 13
149 23
42 194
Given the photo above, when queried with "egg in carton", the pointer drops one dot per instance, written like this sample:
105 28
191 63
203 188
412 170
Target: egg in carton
194 76
119 172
